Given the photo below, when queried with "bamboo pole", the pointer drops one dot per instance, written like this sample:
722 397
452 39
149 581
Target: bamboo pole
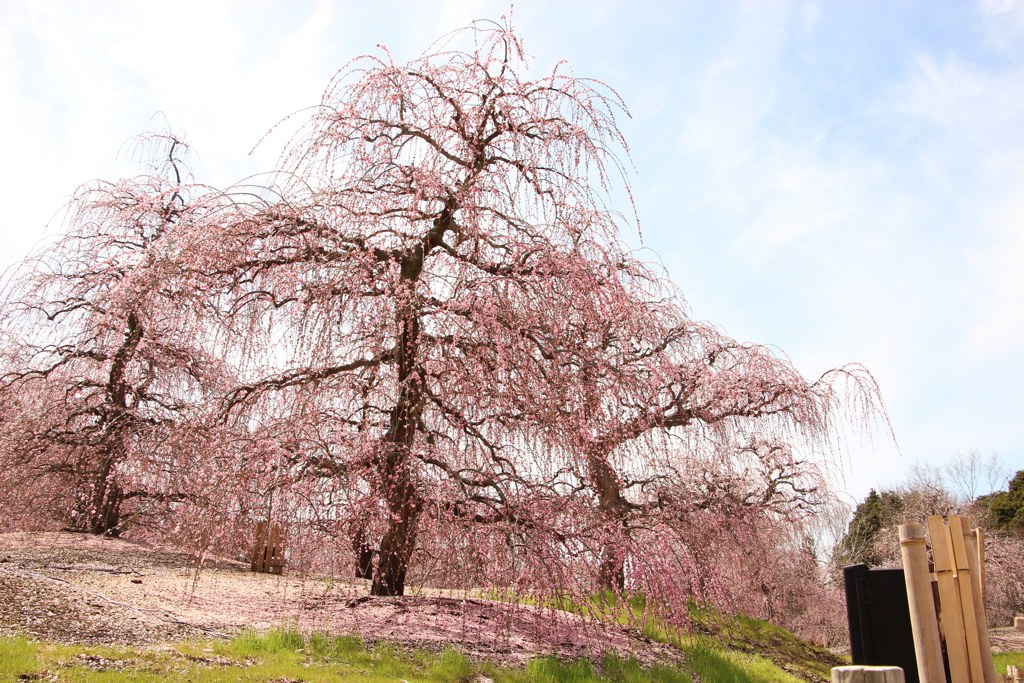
923 621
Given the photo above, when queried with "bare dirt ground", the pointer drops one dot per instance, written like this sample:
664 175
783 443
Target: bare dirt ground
84 589
1006 639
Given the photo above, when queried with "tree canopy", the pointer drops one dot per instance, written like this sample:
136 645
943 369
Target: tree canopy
424 340
1006 508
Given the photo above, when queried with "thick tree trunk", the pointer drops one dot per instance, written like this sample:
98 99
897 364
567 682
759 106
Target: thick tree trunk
404 504
106 517
395 551
105 508
612 570
104 513
398 489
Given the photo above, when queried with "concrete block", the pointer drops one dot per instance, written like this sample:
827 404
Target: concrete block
867 674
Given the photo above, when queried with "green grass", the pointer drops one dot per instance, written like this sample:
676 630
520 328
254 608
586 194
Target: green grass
717 647
710 664
1008 659
17 656
285 655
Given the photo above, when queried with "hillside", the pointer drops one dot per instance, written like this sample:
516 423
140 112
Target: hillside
74 588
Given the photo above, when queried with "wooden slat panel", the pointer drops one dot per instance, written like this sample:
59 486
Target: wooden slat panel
259 547
951 614
942 552
966 588
268 551
981 626
956 537
275 554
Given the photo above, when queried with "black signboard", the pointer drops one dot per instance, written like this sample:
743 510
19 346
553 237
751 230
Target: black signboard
879 618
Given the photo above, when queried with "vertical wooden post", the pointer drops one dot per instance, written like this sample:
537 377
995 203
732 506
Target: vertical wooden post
965 587
259 547
268 566
981 621
979 539
923 620
951 611
275 551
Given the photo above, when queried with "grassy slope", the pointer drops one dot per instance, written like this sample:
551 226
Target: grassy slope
285 656
755 649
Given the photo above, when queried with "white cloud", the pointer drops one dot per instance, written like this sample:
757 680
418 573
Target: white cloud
810 12
735 93
977 103
455 14
80 82
1002 22
973 149
999 267
885 227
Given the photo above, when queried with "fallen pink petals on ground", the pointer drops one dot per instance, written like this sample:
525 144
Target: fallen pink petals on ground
81 588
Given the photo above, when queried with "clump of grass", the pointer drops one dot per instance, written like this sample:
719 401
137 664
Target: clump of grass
17 657
551 670
1005 659
323 646
275 641
388 661
710 664
612 670
631 671
448 665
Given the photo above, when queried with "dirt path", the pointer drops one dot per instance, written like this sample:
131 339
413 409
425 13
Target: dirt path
76 588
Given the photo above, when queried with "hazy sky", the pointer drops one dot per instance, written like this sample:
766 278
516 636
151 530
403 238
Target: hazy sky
841 180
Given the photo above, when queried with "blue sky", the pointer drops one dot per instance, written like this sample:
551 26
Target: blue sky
841 180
